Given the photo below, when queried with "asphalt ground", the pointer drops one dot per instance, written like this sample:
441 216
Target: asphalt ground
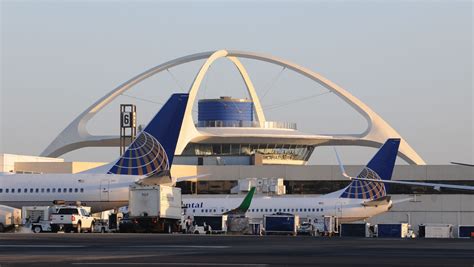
198 250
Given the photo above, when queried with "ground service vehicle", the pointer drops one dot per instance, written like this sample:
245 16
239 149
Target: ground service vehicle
306 228
154 208
38 217
72 218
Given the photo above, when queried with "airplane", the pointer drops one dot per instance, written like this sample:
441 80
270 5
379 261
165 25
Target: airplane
147 160
244 206
363 198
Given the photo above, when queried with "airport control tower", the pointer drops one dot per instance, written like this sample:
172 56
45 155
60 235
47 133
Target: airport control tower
229 135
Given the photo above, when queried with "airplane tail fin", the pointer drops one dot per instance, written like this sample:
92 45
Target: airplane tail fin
245 205
380 167
153 150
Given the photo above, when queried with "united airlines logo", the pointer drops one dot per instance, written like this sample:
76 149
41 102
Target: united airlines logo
145 156
365 189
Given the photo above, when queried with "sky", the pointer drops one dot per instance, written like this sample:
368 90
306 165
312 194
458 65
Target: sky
410 61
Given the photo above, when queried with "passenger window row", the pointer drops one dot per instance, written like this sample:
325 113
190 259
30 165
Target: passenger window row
269 210
41 190
288 210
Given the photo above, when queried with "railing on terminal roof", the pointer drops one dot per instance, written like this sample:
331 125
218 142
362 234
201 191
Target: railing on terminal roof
254 124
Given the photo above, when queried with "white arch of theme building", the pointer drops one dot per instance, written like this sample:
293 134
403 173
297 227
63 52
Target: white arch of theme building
76 136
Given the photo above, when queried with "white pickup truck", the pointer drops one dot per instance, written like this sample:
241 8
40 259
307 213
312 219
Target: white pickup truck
72 218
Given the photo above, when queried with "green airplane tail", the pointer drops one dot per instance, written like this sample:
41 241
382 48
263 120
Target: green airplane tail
244 206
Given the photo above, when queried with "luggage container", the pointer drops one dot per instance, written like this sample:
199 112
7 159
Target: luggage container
466 231
280 224
217 223
396 230
238 224
9 218
355 230
436 230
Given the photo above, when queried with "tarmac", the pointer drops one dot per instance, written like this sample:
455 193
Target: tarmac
116 249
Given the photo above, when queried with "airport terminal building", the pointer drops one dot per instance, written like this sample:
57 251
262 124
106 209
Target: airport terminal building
233 142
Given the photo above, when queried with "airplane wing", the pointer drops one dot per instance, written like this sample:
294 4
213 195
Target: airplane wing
434 185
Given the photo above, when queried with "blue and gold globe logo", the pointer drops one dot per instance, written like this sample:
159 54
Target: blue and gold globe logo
365 189
145 156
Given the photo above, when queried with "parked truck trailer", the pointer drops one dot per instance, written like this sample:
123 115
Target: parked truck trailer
154 208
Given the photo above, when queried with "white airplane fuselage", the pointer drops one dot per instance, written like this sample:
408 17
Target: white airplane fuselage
107 191
99 191
346 209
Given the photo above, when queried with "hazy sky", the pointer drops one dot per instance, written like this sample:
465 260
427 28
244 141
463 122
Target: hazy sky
410 61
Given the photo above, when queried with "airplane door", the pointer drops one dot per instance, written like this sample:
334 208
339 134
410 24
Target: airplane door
104 190
338 209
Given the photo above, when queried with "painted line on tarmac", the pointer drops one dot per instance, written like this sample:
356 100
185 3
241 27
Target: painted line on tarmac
175 246
83 246
170 263
41 246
